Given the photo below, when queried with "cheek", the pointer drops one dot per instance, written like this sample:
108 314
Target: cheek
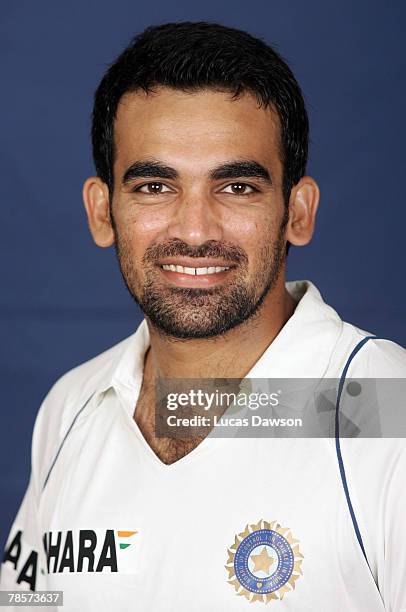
144 221
250 232
150 222
141 228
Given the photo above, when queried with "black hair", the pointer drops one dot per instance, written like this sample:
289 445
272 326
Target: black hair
194 55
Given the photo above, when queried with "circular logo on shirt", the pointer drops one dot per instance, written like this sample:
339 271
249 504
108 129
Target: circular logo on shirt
264 562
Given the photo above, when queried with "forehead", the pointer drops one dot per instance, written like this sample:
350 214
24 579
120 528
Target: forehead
201 126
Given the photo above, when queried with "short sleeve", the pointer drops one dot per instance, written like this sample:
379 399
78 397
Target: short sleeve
23 564
394 565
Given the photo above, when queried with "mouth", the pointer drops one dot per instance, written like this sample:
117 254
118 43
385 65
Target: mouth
195 273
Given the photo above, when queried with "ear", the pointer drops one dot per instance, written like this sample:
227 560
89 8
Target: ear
303 203
96 201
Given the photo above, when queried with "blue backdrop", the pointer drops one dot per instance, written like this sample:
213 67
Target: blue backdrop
63 300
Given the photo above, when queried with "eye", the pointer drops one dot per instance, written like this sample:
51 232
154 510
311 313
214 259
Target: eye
152 188
239 189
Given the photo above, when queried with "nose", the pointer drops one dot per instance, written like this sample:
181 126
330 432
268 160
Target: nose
195 220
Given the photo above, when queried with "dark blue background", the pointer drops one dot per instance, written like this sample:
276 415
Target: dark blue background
62 299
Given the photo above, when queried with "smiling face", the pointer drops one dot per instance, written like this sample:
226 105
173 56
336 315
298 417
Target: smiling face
197 208
197 211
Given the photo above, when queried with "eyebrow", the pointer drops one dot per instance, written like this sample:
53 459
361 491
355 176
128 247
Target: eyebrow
238 168
148 169
230 170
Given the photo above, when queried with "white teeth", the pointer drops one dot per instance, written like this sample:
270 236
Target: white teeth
194 271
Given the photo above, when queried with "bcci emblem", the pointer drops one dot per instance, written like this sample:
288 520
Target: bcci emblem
264 562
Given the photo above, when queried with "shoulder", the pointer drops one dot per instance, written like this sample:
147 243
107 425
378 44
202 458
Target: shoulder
66 397
375 461
368 355
87 377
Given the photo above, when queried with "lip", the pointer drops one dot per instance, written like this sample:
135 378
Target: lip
196 262
180 279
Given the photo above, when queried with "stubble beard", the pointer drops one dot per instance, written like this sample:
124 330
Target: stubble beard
191 313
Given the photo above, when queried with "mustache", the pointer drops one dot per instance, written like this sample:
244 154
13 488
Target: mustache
211 248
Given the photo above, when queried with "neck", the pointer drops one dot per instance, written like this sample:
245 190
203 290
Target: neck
230 355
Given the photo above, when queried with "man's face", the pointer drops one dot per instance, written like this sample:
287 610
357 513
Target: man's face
198 210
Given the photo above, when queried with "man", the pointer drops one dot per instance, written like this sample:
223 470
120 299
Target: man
200 139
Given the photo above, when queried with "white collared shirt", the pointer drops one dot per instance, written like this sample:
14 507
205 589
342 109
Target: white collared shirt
234 520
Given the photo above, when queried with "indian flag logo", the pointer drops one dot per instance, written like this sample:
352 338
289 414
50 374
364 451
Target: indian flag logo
124 537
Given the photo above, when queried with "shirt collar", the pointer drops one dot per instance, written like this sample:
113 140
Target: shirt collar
302 349
304 346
